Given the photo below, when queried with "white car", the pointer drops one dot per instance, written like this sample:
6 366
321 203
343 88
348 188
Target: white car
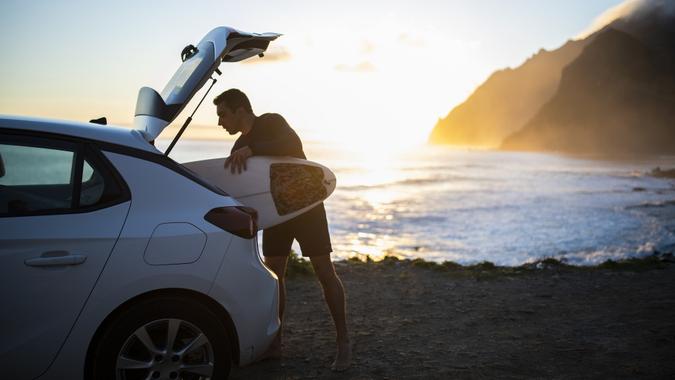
118 263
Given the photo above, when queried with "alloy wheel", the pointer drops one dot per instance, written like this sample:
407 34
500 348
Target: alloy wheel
166 349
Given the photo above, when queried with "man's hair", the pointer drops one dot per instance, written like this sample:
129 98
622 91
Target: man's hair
233 99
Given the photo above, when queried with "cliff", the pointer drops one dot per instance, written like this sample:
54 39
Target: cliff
612 92
506 100
618 96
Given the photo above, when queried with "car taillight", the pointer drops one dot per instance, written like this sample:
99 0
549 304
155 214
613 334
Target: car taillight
239 220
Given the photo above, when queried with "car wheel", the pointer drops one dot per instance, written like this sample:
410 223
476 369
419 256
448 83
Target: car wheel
163 338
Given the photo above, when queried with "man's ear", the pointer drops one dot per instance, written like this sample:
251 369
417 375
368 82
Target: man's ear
240 112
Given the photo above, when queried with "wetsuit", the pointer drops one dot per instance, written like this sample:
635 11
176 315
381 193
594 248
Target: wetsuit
272 136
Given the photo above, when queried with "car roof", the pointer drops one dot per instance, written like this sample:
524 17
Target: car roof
106 133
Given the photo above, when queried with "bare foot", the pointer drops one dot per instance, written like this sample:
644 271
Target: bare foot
343 357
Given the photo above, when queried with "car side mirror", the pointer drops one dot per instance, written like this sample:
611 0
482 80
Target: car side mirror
2 167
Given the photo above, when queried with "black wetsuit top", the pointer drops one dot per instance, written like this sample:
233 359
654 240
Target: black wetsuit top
271 136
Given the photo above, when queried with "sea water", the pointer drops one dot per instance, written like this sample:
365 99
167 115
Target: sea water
468 206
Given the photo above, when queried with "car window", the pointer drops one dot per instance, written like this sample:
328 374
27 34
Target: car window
45 176
47 166
98 184
92 185
35 179
87 172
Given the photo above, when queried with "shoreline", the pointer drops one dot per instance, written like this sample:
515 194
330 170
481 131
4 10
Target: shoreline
299 266
420 320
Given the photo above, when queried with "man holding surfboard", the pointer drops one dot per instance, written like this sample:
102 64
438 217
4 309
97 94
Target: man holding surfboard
270 135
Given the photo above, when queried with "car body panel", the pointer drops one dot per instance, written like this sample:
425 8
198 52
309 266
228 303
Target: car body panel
106 133
127 274
38 318
215 264
175 243
254 282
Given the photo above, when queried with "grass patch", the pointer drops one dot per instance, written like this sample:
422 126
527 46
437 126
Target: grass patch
361 259
483 266
548 263
297 266
355 260
487 269
451 265
635 264
442 267
421 263
390 260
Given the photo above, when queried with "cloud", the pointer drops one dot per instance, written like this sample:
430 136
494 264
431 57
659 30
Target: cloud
362 67
272 55
367 47
411 40
630 9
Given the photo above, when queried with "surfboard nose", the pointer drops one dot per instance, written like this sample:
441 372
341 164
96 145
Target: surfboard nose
329 182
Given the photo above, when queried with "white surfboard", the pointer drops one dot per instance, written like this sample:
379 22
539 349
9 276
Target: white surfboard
279 188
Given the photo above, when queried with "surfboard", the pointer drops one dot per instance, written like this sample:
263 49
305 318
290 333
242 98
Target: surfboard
279 188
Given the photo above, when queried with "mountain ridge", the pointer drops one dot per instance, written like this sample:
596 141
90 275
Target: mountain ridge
609 96
528 85
616 97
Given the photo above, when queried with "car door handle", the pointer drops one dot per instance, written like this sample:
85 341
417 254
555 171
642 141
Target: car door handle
55 258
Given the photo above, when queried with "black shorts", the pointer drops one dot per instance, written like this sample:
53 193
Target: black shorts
309 229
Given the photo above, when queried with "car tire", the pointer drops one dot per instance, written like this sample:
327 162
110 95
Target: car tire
136 344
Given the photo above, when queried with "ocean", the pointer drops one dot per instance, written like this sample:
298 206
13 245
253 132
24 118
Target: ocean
468 206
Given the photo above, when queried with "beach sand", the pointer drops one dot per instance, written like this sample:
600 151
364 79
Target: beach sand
415 321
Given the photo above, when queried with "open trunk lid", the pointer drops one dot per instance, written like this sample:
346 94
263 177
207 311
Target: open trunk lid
155 111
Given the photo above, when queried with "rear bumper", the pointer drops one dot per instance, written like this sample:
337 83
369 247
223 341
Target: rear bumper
250 293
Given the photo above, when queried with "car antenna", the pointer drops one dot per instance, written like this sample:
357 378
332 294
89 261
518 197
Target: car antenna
189 119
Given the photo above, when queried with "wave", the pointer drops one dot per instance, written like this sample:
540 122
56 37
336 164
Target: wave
634 189
407 182
415 168
654 204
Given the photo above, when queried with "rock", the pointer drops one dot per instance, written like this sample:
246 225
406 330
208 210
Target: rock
659 173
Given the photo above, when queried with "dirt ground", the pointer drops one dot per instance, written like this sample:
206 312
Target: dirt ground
412 322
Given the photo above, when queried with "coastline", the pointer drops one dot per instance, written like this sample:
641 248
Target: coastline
415 319
475 208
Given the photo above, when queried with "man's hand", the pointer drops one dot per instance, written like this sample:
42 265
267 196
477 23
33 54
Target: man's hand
237 161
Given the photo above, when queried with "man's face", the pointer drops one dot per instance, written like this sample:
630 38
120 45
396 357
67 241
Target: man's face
230 121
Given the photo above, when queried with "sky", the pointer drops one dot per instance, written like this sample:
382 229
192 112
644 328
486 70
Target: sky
349 71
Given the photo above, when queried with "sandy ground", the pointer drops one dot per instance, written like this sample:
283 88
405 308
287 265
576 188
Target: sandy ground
412 322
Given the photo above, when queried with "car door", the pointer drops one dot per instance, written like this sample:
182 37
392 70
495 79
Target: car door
62 207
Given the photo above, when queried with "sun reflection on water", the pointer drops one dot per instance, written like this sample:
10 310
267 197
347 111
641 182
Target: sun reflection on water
369 185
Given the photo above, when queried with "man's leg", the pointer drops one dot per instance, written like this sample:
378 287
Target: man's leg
278 265
334 294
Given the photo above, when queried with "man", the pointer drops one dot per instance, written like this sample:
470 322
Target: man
270 135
